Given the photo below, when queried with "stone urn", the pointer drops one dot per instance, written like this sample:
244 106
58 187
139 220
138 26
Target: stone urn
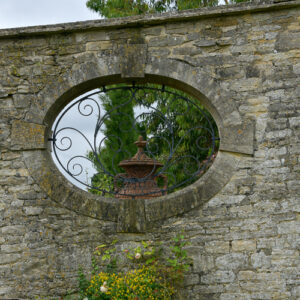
140 179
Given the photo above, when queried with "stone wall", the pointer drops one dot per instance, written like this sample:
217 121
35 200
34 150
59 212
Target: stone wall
242 219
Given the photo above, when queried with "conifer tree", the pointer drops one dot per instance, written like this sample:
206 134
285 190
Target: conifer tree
124 8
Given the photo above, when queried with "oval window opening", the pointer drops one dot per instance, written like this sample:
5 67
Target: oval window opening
134 141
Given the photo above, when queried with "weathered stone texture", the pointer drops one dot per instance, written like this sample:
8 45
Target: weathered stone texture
243 62
27 135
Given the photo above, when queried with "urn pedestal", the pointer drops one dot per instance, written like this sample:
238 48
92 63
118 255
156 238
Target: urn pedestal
140 179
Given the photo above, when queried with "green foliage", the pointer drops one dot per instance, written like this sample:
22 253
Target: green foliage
139 283
119 122
189 147
152 272
124 8
191 133
169 120
101 182
180 254
83 283
118 8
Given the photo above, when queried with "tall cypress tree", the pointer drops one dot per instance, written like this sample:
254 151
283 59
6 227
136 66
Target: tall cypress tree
119 132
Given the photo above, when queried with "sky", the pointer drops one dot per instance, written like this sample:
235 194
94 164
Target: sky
21 13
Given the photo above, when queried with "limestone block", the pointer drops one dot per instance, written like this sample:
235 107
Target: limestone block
296 291
133 60
17 203
205 43
13 230
99 46
191 279
4 134
9 258
260 260
27 136
235 296
289 227
232 261
294 122
5 290
165 41
217 247
13 248
131 217
287 41
238 138
296 69
203 263
247 275
284 258
31 195
32 211
22 100
218 277
246 84
243 245
7 172
225 200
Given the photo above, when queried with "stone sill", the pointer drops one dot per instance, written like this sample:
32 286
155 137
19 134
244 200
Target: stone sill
136 21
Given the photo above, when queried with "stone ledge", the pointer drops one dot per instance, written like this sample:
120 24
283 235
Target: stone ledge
136 21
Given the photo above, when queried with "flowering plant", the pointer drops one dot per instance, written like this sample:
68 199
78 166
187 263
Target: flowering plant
144 272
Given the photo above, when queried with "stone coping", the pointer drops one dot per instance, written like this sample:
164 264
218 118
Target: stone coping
150 19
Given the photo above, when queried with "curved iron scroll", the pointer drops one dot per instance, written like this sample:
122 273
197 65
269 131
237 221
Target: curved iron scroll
180 135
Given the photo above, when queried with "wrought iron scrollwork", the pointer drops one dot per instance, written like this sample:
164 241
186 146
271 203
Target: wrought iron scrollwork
181 139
